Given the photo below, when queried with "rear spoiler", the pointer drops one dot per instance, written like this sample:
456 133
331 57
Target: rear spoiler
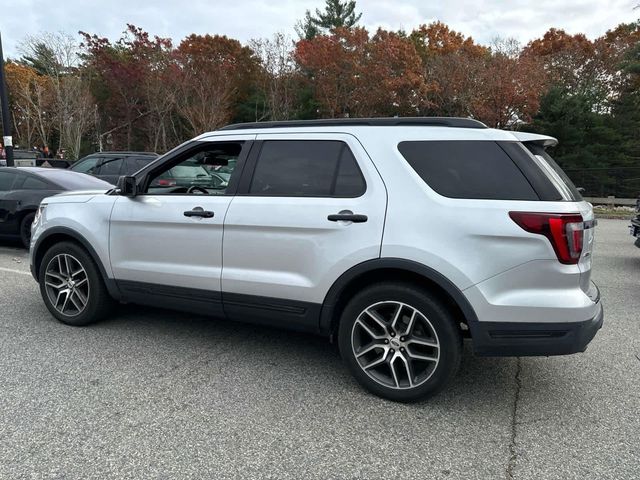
542 140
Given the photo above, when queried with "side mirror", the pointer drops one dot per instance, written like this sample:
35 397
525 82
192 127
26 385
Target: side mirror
580 189
127 186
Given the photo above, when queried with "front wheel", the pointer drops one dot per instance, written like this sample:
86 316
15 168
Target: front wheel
25 229
71 285
399 342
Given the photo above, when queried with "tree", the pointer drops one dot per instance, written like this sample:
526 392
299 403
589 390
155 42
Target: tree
215 75
626 106
133 81
278 77
508 86
32 104
337 14
572 63
56 58
452 65
354 75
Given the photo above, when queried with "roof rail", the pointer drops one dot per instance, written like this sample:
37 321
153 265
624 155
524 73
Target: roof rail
372 122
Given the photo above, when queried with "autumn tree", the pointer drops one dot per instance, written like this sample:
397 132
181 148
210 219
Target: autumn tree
508 86
130 81
55 57
215 75
32 105
354 75
452 64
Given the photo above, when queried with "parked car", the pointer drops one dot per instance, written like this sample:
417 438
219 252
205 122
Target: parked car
53 162
396 237
109 166
25 158
635 224
22 189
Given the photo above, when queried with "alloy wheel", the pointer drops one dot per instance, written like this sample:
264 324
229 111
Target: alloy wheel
395 345
67 285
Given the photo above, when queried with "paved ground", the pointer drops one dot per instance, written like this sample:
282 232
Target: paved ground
153 394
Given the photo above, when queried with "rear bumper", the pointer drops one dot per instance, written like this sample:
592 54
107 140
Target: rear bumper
535 339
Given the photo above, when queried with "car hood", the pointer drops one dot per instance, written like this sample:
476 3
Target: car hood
74 196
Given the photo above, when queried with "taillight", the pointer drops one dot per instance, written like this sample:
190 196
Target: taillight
565 231
166 183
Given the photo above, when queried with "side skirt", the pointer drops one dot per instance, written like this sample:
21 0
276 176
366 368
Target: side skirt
277 312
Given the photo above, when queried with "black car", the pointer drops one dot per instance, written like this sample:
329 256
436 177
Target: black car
635 224
23 188
108 166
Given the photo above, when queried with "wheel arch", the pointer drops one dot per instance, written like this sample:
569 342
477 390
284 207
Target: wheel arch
63 234
392 269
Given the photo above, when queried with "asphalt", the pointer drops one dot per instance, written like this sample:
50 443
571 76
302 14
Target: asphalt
156 394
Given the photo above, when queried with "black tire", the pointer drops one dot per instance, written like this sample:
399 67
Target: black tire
438 320
98 301
25 229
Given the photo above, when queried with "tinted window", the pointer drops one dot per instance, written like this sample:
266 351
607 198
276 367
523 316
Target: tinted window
556 175
110 166
85 166
6 180
33 183
300 168
133 164
468 169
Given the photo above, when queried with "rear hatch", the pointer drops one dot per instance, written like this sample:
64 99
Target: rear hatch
537 145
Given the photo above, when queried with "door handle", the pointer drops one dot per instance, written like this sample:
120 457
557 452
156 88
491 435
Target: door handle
199 212
347 216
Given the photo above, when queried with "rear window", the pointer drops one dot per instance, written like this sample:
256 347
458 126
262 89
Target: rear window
468 169
133 164
111 166
70 180
554 173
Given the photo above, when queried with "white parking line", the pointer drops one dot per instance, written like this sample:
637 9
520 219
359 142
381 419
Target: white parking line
13 270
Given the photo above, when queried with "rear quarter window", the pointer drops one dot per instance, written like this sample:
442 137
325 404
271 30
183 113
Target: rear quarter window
467 169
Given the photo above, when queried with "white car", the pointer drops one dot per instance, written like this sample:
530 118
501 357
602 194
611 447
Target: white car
398 237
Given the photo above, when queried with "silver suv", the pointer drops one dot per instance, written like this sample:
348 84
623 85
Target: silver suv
396 237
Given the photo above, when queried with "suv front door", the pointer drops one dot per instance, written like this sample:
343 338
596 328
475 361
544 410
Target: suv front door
166 243
283 246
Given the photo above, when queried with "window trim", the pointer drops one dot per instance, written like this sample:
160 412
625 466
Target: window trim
252 162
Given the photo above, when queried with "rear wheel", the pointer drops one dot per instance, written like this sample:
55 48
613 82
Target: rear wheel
71 285
399 342
25 229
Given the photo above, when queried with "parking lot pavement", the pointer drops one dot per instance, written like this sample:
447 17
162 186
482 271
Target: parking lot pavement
154 394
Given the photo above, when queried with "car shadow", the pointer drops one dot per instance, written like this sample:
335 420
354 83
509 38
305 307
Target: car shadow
481 383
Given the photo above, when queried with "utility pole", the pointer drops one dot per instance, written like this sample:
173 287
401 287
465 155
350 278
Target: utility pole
6 117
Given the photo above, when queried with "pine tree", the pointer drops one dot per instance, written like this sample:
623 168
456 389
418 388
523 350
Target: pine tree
336 14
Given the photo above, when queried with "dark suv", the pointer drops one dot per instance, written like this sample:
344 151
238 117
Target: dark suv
108 166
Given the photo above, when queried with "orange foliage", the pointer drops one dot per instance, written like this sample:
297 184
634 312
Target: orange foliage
355 75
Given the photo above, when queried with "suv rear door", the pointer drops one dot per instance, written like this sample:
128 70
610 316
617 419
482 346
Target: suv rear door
283 245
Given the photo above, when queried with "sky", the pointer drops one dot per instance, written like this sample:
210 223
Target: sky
484 20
